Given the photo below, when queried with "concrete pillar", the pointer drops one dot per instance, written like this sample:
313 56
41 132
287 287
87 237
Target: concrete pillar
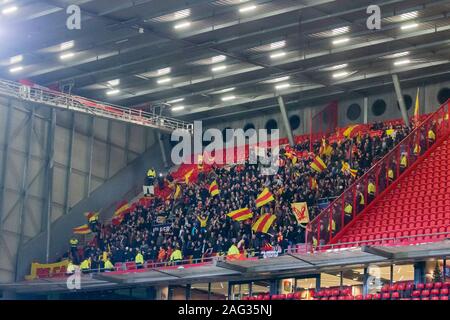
401 101
285 118
366 110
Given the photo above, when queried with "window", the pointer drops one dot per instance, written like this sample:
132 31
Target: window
378 276
378 107
219 290
443 95
330 280
408 102
403 272
271 125
353 278
294 121
353 111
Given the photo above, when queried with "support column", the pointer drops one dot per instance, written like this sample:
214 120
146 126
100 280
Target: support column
162 148
50 167
91 153
401 101
365 281
366 110
285 118
4 162
24 185
69 165
188 292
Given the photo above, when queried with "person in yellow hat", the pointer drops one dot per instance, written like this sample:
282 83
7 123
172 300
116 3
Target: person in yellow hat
149 188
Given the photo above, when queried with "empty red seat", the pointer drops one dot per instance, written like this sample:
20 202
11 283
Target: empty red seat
425 293
429 285
359 297
297 296
386 296
444 291
368 297
415 293
332 298
290 296
130 265
420 286
438 285
395 295
444 298
434 292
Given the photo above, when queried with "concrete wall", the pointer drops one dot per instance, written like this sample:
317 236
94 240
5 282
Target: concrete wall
87 153
428 103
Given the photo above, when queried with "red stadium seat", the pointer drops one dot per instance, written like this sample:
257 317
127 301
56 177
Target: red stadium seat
443 298
425 293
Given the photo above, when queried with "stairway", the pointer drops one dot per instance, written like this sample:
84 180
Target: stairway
416 210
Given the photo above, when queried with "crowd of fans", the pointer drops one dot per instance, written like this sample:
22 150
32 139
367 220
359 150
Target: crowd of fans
196 225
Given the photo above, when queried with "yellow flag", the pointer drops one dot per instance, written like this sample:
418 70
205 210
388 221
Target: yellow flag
300 211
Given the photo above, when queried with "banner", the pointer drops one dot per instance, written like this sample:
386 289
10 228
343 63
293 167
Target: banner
41 269
300 211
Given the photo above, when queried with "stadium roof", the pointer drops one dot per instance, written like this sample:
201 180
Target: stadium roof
223 57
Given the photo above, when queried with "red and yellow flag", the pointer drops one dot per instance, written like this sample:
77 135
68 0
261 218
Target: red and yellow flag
263 223
300 211
188 175
325 149
264 198
240 214
417 107
214 189
84 229
177 192
313 183
318 165
352 131
347 169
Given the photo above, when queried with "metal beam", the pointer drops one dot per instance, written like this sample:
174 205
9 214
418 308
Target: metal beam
286 122
401 101
4 162
108 150
50 171
91 152
69 165
24 186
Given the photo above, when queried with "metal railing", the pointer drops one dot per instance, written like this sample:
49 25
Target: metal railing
91 107
344 209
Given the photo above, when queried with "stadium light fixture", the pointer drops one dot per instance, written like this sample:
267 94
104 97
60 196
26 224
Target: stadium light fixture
228 98
16 69
16 59
340 30
398 55
177 108
340 74
218 68
278 45
280 79
164 71
114 82
282 86
10 10
182 25
338 67
409 26
66 56
67 45
402 62
217 59
340 41
278 55
247 8
175 100
225 90
164 80
409 15
112 92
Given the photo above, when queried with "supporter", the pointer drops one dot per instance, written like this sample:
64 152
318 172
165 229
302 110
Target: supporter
108 266
176 256
139 259
85 266
149 188
71 268
198 227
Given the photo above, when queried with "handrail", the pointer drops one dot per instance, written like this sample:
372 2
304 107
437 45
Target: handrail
374 171
61 100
